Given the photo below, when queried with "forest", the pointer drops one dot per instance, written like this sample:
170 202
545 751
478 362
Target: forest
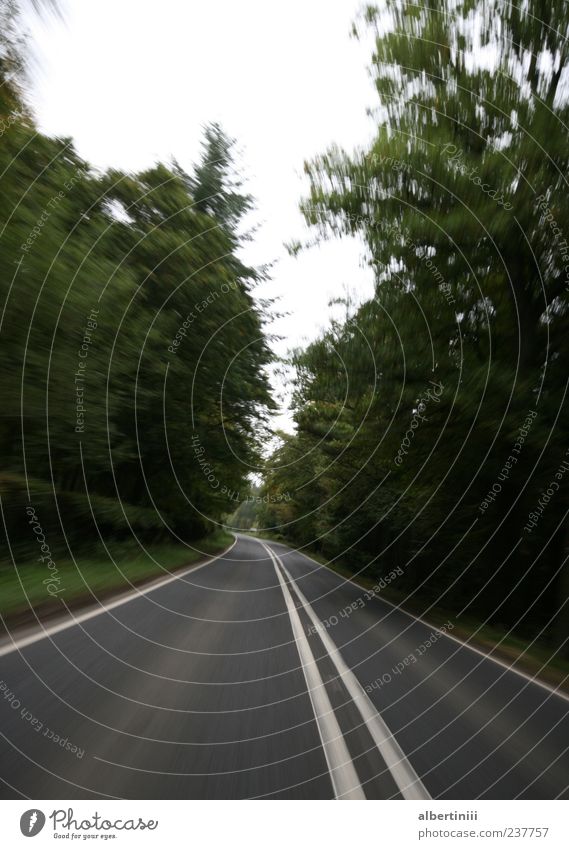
132 342
431 426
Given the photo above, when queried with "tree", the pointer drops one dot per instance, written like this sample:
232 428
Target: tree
134 351
462 204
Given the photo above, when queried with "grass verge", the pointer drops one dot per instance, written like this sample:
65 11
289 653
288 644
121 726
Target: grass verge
94 575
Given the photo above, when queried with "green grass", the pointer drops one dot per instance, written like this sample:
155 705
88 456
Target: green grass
94 573
535 660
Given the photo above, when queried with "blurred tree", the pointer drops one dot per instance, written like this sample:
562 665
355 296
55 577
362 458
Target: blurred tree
133 347
462 203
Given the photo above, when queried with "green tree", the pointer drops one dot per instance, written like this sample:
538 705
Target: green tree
461 201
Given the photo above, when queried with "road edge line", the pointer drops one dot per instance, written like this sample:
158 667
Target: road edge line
42 634
537 681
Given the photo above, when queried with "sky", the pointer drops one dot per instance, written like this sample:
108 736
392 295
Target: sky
133 82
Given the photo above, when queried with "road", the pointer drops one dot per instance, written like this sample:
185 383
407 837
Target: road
242 679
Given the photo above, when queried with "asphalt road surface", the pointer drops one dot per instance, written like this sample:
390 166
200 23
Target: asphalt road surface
263 674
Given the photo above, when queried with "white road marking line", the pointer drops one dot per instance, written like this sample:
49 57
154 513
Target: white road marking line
405 777
343 775
502 663
43 633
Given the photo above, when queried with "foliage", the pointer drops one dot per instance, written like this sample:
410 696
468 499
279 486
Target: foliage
133 347
462 203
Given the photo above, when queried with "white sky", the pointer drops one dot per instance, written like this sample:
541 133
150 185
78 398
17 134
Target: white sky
133 82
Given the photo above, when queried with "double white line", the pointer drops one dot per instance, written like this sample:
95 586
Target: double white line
343 773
